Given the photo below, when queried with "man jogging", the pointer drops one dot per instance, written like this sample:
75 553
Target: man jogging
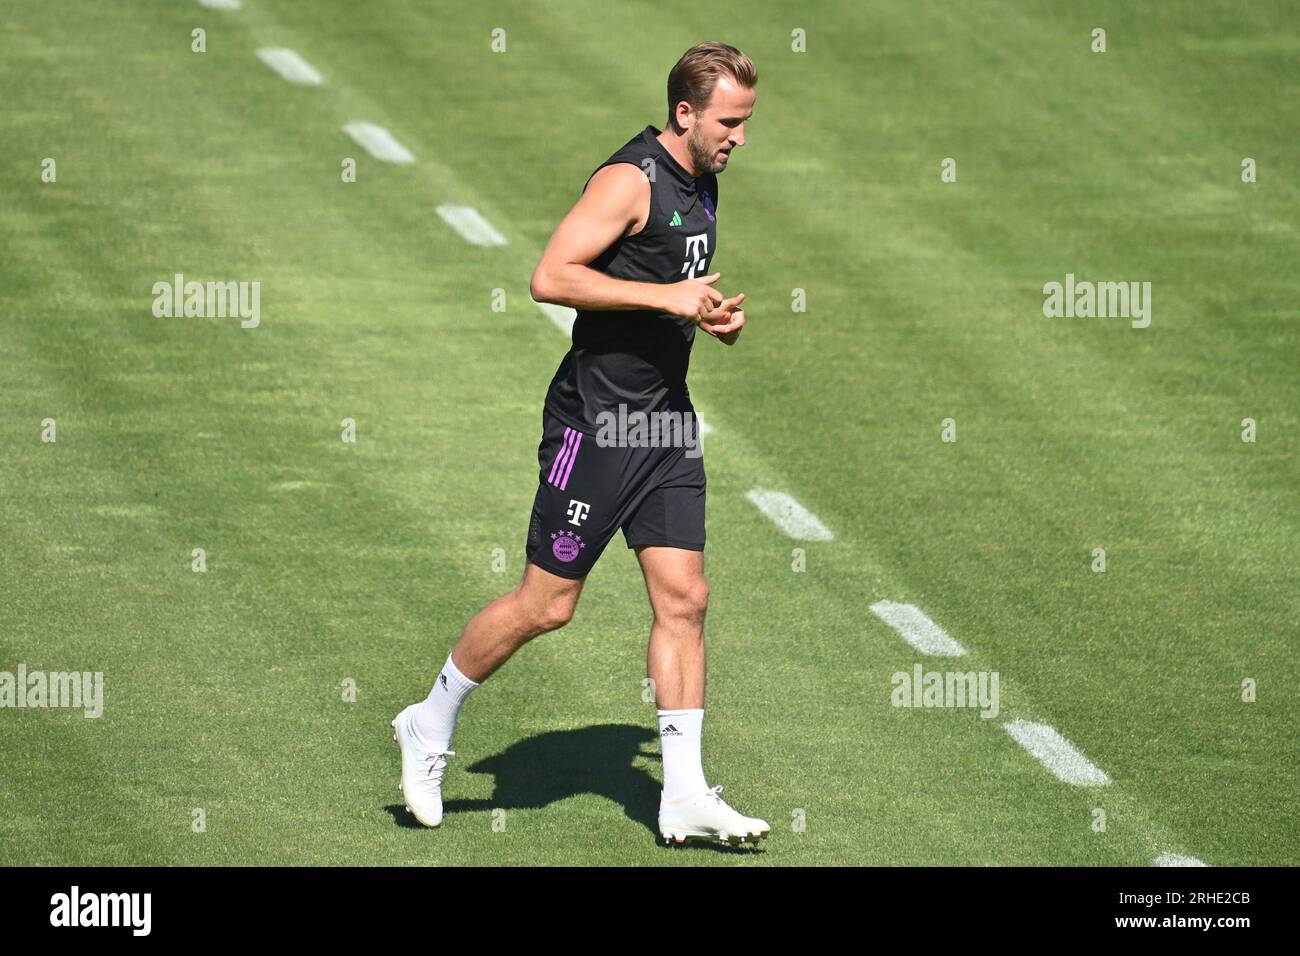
632 257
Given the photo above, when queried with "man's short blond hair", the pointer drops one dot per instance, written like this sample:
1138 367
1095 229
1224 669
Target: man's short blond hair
696 74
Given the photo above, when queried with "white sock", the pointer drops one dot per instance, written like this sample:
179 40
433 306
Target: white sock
435 719
679 737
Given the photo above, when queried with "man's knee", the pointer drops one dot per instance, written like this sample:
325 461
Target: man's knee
549 604
556 613
689 601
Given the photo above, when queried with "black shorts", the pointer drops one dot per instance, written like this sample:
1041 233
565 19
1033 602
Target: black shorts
586 492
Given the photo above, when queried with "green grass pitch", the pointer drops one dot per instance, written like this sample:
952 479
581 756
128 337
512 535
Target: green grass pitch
331 562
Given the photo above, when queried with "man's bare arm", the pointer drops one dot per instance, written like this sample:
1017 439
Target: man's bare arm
614 201
611 204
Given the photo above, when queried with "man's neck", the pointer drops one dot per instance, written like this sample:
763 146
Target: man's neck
676 147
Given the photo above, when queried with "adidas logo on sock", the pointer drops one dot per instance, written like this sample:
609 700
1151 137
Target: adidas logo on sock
671 731
443 678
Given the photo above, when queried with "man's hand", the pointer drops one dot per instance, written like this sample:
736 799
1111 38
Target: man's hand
691 298
729 338
725 322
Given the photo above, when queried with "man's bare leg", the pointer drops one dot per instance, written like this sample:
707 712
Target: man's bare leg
679 596
542 602
675 662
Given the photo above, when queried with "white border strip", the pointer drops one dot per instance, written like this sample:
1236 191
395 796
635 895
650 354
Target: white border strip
221 4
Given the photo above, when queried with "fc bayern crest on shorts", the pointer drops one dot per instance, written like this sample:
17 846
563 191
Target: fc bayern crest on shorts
566 545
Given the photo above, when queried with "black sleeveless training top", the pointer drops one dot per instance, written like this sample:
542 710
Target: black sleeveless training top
639 357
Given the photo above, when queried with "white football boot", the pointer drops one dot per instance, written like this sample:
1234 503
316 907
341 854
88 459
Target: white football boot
422 771
706 816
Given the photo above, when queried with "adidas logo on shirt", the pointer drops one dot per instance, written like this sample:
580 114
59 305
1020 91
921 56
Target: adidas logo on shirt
676 220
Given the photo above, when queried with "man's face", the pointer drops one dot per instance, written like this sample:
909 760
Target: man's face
720 127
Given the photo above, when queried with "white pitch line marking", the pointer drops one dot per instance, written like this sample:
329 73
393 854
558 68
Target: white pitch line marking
788 515
915 627
378 142
561 315
1057 754
289 65
1173 859
221 4
471 225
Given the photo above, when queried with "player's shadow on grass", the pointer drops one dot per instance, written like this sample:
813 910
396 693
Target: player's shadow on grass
538 771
